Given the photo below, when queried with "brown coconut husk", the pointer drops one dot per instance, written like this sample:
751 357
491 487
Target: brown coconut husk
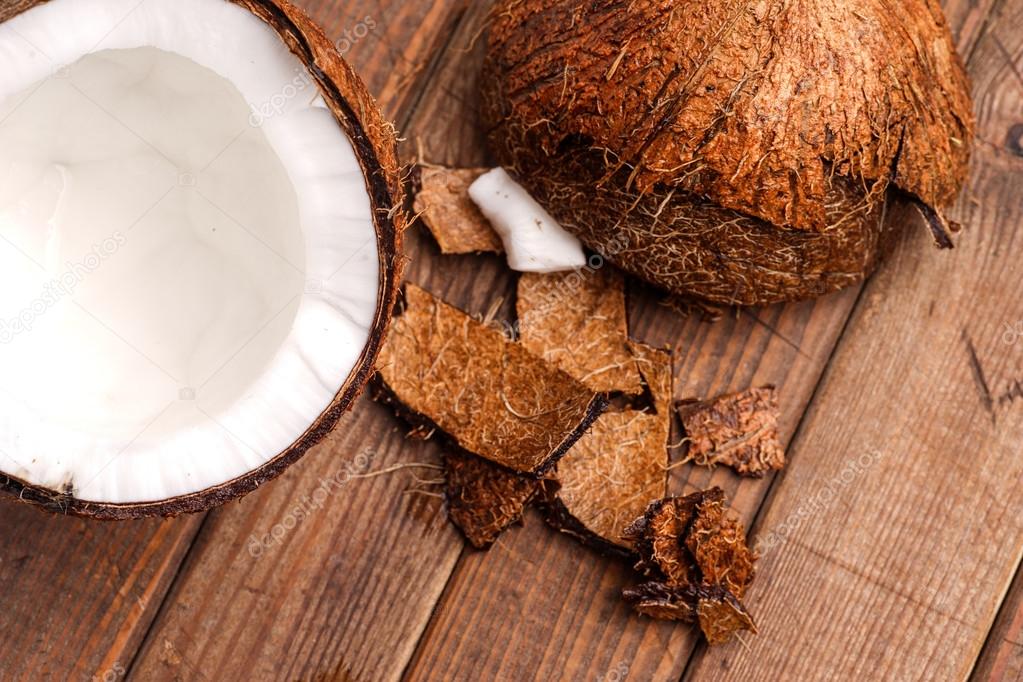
741 153
489 396
698 565
443 205
576 320
484 499
719 614
608 478
375 144
738 430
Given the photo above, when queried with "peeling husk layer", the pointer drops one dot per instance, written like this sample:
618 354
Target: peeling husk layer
442 369
374 141
738 153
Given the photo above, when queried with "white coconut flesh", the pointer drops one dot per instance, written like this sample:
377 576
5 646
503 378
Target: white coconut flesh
533 240
188 261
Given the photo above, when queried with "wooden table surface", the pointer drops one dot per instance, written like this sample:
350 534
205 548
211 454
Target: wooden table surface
896 530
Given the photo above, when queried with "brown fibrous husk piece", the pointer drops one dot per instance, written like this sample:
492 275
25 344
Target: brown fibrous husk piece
615 470
484 499
721 615
660 535
745 162
444 206
489 396
718 612
738 430
577 321
609 477
717 543
698 565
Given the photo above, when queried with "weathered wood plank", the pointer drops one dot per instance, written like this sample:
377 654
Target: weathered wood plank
1002 657
898 527
79 597
554 605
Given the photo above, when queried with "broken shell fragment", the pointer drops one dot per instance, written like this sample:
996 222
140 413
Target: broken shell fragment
444 206
485 499
738 430
490 396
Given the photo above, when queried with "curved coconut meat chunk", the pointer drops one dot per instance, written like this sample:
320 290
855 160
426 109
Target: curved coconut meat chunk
533 240
172 165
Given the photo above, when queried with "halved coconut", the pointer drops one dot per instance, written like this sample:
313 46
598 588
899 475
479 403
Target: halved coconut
199 239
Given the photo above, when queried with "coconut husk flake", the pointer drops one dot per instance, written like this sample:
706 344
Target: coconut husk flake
485 499
717 611
577 321
739 430
609 477
489 396
698 565
444 206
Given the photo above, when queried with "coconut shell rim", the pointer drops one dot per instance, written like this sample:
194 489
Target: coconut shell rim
375 146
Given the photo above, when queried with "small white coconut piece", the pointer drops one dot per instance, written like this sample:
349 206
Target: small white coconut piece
533 240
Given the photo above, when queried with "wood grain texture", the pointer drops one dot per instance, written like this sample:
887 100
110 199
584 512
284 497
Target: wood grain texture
897 528
330 573
78 594
1002 57
1002 657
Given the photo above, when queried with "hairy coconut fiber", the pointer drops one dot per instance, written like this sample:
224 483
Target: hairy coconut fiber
483 498
737 152
444 206
490 396
719 614
576 320
739 430
697 562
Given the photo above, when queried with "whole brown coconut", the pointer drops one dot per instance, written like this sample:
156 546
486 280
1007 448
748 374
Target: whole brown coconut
737 152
